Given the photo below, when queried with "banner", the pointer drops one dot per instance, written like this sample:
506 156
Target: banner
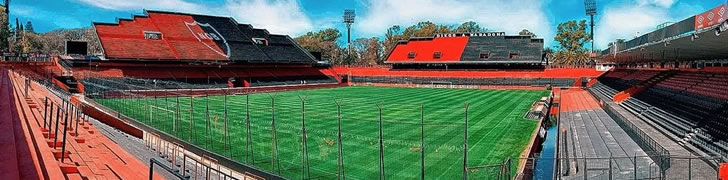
710 18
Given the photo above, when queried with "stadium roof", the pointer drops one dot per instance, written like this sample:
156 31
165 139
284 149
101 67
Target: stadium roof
695 38
172 36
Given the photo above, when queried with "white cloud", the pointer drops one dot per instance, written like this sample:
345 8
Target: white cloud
279 16
630 19
659 3
177 5
499 15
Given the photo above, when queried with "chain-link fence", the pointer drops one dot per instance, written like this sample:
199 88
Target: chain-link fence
314 135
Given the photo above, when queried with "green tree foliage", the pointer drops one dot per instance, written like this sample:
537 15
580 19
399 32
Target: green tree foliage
323 41
367 51
525 32
5 34
29 27
571 36
470 26
423 29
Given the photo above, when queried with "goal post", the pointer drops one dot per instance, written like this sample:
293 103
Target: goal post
157 113
441 84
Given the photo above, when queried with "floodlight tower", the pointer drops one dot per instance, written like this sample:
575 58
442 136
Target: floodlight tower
591 11
349 15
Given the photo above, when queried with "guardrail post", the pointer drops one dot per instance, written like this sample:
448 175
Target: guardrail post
63 145
55 134
610 168
45 112
690 167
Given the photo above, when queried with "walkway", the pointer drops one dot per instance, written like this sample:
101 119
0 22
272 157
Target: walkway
593 137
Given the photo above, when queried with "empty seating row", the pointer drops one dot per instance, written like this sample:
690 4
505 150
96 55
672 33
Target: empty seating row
689 105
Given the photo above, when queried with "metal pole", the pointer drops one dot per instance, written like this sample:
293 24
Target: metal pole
610 168
586 162
226 144
63 145
465 143
381 145
249 138
422 141
193 125
690 167
274 153
55 134
166 111
176 118
634 165
45 113
304 136
207 124
77 119
340 168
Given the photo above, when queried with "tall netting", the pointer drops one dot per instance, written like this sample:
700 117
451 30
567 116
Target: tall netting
354 132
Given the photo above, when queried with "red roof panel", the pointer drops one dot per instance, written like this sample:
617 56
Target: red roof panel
451 48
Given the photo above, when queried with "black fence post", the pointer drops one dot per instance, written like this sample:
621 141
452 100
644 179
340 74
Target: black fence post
465 143
78 118
176 119
249 137
45 113
55 134
422 141
166 112
340 167
305 170
227 146
207 124
192 121
63 145
274 153
381 145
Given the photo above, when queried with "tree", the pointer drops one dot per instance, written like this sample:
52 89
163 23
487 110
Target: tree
367 51
470 26
571 37
323 41
422 29
29 27
5 34
525 32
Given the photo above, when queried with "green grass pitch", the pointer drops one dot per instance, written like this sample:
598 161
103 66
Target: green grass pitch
497 129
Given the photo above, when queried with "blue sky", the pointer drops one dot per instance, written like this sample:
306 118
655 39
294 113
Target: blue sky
616 19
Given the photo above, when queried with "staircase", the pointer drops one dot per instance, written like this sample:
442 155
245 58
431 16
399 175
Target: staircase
636 89
71 82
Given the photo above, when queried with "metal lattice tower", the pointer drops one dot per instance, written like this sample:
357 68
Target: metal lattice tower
591 10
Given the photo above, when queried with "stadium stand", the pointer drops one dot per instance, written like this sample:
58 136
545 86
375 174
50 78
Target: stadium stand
159 35
688 104
468 48
36 148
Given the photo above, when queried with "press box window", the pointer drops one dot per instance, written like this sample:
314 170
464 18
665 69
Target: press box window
437 55
152 35
411 55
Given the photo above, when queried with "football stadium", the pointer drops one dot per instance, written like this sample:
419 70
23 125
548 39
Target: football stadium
185 95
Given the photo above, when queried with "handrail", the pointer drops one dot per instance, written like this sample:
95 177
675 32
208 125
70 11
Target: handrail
153 161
